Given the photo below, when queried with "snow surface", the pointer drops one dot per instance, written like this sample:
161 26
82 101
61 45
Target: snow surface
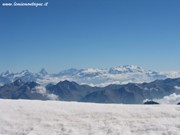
25 117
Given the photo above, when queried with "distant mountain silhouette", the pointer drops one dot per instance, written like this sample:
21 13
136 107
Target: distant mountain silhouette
131 93
134 93
71 91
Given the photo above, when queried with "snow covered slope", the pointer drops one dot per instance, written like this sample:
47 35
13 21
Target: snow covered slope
91 76
23 117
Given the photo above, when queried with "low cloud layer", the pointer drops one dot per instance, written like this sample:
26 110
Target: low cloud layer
177 87
171 99
43 91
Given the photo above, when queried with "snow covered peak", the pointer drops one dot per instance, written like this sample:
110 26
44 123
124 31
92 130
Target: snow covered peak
26 72
91 76
126 69
7 73
43 72
93 70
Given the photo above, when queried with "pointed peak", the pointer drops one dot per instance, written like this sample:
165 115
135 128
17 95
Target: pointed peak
65 82
7 72
25 71
67 85
43 71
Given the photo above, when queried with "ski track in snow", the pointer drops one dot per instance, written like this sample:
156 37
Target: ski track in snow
25 117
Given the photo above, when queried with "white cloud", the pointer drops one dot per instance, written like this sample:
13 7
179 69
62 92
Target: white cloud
177 87
52 96
171 99
42 90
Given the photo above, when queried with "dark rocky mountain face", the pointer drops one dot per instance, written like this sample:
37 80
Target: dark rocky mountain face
71 91
43 72
134 93
131 93
160 88
110 96
20 90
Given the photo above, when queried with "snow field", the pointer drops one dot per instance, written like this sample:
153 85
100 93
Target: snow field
27 117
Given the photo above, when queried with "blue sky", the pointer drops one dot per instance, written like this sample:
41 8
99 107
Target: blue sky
90 33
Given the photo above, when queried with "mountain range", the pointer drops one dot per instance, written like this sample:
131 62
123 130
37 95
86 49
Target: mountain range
91 76
131 93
